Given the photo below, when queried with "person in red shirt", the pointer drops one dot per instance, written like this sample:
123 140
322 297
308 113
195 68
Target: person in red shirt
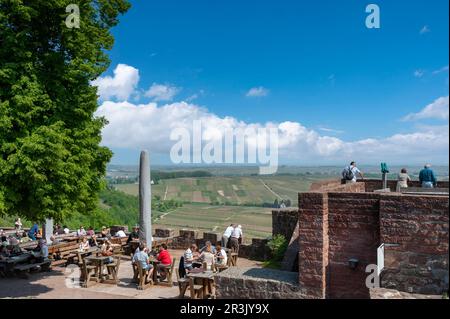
165 260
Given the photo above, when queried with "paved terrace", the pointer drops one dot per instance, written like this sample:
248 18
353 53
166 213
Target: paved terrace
51 285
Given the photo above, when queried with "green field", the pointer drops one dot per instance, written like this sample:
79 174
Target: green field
236 190
256 221
212 203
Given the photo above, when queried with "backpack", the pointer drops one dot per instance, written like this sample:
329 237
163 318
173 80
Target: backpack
348 174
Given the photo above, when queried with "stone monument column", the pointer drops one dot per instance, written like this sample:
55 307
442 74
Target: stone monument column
145 200
48 230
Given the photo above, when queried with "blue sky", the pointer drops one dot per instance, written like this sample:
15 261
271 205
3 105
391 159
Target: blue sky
314 63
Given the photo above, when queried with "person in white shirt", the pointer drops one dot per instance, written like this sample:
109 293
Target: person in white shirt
66 230
226 235
208 258
221 255
236 236
18 224
81 231
120 233
84 245
351 172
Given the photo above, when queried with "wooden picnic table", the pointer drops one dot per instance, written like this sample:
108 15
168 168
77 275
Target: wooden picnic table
83 253
98 261
9 263
206 277
155 262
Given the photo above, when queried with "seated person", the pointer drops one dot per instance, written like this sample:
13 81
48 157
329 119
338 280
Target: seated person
84 245
93 241
134 235
190 255
81 231
59 230
165 260
3 236
90 231
54 240
18 235
221 254
33 232
208 244
42 254
120 233
105 233
66 230
208 258
107 250
4 251
142 258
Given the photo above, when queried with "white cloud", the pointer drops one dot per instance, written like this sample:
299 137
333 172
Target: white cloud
257 92
425 29
148 126
121 86
441 70
162 92
330 130
419 73
436 110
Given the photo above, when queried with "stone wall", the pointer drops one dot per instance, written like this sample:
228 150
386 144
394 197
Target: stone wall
313 243
335 227
257 250
374 184
418 226
284 221
353 233
257 283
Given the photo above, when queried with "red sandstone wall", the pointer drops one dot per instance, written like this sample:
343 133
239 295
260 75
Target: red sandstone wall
337 226
353 221
313 242
419 225
374 184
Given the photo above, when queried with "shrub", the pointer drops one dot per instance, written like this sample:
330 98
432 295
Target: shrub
278 246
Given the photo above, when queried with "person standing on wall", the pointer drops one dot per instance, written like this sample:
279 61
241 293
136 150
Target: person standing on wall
236 236
226 235
427 177
351 172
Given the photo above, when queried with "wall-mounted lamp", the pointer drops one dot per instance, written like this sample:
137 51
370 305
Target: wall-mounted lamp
353 263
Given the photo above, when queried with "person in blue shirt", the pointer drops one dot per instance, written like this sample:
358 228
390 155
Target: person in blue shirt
427 177
33 231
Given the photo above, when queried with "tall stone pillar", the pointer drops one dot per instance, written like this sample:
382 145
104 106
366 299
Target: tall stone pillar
145 200
48 230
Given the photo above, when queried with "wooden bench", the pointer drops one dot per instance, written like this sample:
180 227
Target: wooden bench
169 272
65 254
23 269
184 284
121 242
232 258
143 279
113 270
196 290
89 273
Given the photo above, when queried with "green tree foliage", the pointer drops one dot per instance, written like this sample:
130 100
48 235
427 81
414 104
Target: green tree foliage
51 163
278 246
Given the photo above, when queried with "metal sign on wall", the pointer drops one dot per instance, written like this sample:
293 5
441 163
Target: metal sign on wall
380 259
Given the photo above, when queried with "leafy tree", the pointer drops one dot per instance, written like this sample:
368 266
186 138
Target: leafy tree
51 163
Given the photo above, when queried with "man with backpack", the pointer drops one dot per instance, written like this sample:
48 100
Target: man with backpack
351 172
